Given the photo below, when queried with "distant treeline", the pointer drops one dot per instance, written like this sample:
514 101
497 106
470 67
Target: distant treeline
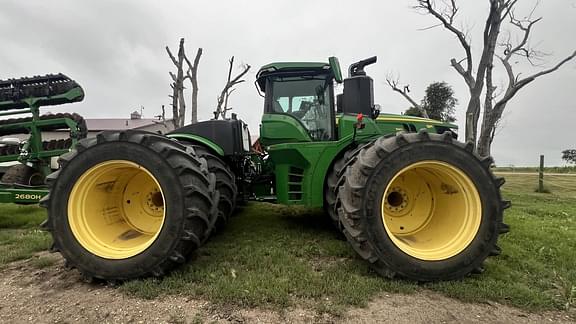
566 169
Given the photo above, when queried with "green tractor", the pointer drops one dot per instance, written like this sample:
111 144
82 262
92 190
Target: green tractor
410 199
25 153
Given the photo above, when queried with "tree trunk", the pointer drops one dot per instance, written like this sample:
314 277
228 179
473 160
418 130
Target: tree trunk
485 142
193 75
486 130
472 116
178 102
180 83
175 113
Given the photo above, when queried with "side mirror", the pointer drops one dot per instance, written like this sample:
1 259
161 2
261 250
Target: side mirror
335 67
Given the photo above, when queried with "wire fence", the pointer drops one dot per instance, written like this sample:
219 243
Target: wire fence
555 183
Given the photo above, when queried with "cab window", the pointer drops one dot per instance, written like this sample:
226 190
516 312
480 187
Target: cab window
308 99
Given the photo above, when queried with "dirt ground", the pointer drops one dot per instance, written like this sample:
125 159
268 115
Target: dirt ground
56 295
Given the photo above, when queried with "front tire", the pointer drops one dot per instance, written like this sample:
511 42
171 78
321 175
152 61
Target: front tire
130 204
422 206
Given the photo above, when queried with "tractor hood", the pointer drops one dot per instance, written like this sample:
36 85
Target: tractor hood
405 118
389 123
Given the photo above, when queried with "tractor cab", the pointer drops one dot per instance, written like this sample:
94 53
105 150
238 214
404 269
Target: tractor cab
300 105
299 101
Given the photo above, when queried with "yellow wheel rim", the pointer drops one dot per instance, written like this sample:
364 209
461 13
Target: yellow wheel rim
116 209
431 210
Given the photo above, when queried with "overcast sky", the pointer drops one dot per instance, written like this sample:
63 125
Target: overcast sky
115 50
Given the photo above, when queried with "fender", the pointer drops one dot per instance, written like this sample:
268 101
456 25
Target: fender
198 139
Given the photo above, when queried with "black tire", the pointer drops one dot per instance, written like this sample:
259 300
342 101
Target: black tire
189 200
225 184
333 183
82 129
9 149
81 124
22 174
361 199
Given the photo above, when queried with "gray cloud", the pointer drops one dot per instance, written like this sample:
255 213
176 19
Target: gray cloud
115 49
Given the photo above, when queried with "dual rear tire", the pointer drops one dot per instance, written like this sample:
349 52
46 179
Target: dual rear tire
421 206
131 204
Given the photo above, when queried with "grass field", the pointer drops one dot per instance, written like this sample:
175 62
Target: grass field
276 256
565 169
20 236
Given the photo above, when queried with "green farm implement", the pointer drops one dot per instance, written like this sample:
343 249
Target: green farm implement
22 147
410 198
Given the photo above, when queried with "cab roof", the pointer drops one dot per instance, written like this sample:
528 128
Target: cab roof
279 67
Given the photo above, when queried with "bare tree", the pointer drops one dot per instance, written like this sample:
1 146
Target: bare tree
192 75
494 106
476 77
393 83
178 103
222 105
178 78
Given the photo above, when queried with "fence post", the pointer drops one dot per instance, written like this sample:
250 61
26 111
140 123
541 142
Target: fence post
541 175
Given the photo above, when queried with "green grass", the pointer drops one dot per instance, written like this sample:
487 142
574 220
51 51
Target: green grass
537 270
20 236
15 216
275 256
524 185
42 262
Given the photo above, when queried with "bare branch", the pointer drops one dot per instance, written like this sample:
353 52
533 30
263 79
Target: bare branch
172 75
525 81
446 18
468 78
429 27
526 29
171 56
509 71
508 5
393 83
222 104
516 84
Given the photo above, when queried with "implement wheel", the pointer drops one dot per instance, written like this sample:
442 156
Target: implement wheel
21 174
131 204
422 206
